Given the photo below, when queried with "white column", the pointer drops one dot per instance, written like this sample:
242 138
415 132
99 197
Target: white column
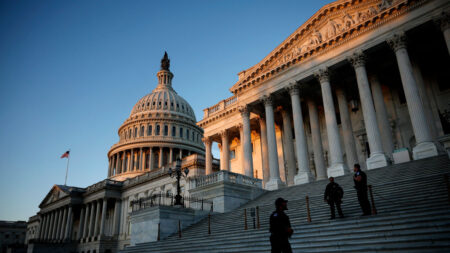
151 162
171 155
304 174
104 209
444 23
248 159
288 141
63 225
41 226
316 140
347 130
97 218
181 153
274 182
241 146
140 160
124 166
264 150
44 230
68 227
225 154
91 220
424 145
377 157
337 168
117 162
56 225
86 221
116 221
161 156
81 224
382 116
208 155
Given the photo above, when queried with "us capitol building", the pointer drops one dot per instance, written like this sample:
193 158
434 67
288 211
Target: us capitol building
359 82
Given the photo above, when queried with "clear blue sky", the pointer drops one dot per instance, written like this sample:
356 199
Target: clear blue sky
70 72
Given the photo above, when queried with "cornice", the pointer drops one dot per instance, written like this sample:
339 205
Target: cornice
218 116
295 49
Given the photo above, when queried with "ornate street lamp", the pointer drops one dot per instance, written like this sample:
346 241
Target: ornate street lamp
178 173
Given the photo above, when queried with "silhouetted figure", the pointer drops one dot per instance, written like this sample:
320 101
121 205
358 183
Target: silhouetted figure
360 180
280 228
333 196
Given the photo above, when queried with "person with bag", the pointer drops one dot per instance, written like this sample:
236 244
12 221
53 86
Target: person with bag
333 196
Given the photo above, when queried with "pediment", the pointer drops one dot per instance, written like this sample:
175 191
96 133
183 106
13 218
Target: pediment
54 195
331 23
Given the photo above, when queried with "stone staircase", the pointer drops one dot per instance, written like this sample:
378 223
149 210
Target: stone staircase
413 216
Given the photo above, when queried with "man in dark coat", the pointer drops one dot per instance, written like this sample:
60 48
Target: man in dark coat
360 180
280 228
333 196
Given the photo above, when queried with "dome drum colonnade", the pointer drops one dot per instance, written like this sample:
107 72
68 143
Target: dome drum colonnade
372 104
160 129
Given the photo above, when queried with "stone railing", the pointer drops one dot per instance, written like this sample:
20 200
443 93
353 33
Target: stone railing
222 105
224 176
102 184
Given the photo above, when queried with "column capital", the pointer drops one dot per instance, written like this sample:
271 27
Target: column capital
206 140
357 59
267 100
223 133
244 110
322 75
293 89
397 41
443 21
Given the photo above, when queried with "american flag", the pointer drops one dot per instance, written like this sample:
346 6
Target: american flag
66 154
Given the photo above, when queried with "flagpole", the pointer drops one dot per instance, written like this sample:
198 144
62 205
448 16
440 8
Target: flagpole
67 168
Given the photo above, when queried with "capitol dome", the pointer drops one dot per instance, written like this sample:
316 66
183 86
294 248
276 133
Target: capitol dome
160 129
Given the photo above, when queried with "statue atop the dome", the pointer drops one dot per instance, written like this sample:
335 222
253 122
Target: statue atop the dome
165 62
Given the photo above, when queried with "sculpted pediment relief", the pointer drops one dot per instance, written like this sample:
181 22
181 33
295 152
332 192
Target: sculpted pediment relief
327 25
54 195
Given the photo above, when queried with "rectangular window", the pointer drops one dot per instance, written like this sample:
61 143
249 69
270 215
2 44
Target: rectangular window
233 154
181 132
135 132
142 131
149 130
166 130
187 134
157 130
174 131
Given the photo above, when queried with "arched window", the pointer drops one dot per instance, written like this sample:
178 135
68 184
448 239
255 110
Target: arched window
181 132
187 134
142 131
157 130
166 130
149 129
174 131
135 132
129 133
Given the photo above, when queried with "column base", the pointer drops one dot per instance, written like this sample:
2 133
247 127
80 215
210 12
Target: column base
303 178
376 161
274 184
337 170
424 150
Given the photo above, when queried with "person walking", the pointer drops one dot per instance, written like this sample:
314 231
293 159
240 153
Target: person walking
280 228
360 179
333 196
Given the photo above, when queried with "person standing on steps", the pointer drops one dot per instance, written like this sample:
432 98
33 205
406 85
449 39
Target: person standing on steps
360 180
280 228
333 196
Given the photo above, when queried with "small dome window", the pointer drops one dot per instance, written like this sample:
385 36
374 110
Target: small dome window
154 103
171 104
178 106
148 103
182 107
159 102
165 103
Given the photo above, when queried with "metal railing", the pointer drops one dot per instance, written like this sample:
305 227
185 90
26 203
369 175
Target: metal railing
168 199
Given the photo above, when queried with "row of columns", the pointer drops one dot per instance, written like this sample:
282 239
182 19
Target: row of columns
137 161
374 114
93 218
56 224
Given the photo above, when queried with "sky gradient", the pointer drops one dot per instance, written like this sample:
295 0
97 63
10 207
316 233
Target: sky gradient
71 71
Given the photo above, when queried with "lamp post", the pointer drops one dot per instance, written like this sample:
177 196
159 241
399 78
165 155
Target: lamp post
178 173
